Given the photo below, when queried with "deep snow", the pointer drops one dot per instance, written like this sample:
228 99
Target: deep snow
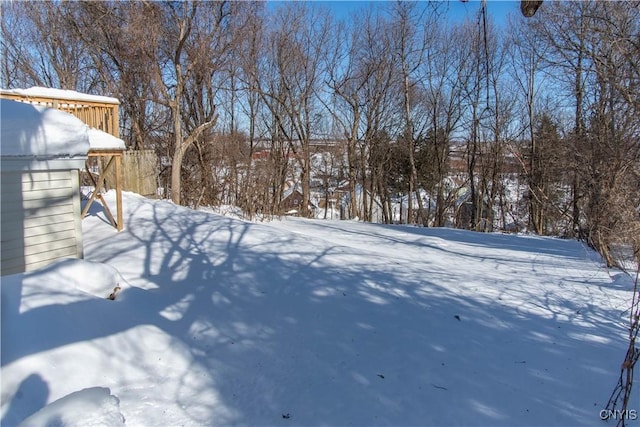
310 322
36 131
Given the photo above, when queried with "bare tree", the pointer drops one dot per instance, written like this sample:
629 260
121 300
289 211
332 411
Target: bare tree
563 28
527 56
442 84
474 89
117 36
250 103
604 141
346 77
36 55
209 83
362 84
410 45
293 54
197 40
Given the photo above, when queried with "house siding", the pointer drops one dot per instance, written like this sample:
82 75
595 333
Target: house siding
40 219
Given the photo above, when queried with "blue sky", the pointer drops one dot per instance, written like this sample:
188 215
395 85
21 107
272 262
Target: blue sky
498 10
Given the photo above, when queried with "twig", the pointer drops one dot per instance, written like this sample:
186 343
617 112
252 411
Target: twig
622 391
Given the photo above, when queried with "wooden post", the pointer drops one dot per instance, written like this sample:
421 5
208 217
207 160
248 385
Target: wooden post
115 120
119 220
99 184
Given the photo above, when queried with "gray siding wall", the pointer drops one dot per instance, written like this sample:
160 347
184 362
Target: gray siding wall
40 219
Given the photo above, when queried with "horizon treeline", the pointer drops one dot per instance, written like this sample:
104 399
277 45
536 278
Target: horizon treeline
533 125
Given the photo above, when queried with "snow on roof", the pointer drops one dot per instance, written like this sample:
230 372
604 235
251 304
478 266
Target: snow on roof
99 140
70 95
34 131
286 193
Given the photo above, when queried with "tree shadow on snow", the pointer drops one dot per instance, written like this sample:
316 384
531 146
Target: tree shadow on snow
276 326
567 248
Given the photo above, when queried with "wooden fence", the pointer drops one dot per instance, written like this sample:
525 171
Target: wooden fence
139 172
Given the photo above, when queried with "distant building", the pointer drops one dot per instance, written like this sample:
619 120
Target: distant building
291 201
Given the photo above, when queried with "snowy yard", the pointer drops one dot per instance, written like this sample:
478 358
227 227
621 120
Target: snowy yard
310 322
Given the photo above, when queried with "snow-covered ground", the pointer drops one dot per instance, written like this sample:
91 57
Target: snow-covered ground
308 322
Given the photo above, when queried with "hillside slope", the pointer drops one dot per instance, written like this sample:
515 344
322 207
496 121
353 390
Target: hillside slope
304 322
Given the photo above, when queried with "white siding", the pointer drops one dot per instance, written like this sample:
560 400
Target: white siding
40 217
